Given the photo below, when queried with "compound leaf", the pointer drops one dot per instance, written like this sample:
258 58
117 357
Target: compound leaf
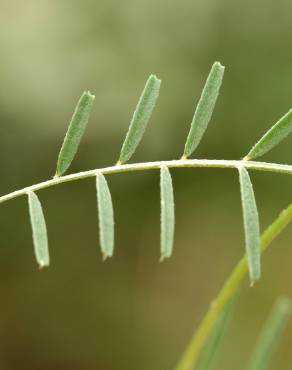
204 108
106 216
140 118
251 225
272 137
75 132
39 230
167 213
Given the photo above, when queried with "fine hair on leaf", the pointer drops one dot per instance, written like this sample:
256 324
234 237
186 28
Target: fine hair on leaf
204 109
167 213
105 216
270 335
272 137
140 118
251 225
39 230
75 132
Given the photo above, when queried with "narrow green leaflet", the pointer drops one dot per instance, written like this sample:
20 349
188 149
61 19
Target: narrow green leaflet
39 230
106 216
140 118
272 137
167 213
204 108
270 335
75 132
251 225
208 355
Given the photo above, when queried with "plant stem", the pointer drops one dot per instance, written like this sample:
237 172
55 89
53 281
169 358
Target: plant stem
230 287
181 163
232 284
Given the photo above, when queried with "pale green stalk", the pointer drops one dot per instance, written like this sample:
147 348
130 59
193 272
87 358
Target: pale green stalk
230 287
208 163
192 352
215 338
271 335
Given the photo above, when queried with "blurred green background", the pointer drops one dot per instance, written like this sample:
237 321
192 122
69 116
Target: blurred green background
132 312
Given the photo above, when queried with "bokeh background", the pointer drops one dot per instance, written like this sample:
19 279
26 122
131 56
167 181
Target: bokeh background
132 312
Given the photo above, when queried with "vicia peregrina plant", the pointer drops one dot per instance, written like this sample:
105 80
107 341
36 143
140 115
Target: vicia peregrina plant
201 351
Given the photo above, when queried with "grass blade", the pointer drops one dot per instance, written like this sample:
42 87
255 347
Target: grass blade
75 132
39 230
140 118
106 216
167 213
251 225
215 338
270 335
204 108
272 137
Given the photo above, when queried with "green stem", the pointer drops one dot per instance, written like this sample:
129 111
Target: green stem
191 354
181 163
